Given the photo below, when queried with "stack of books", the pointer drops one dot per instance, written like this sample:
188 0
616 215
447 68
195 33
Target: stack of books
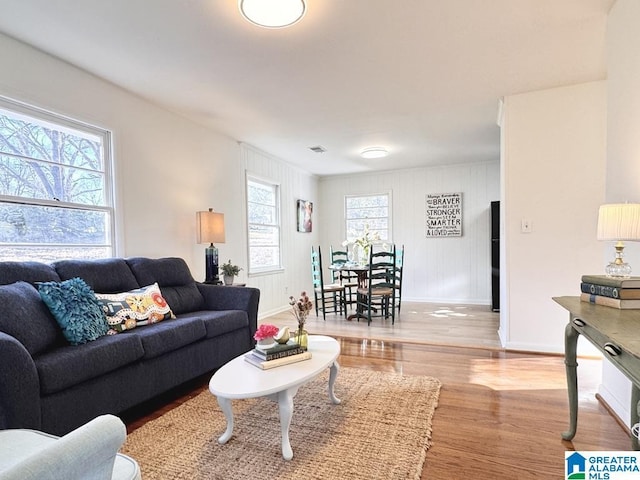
276 356
622 293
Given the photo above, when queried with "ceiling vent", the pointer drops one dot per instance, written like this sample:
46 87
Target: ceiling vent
318 149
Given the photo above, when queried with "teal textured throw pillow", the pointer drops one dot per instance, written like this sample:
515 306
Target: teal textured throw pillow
76 309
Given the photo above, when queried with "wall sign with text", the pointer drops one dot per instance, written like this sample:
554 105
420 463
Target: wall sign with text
444 214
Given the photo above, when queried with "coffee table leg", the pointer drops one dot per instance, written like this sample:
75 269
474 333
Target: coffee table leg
333 373
285 406
225 406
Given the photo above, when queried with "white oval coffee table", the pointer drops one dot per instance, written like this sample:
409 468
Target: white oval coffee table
238 379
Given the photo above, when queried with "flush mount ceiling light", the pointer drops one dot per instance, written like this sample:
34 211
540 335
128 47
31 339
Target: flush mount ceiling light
374 152
272 13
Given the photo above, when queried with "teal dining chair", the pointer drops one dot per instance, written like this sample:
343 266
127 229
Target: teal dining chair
348 279
378 298
398 277
329 295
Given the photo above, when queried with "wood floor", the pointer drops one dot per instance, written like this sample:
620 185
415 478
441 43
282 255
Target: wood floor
500 414
436 324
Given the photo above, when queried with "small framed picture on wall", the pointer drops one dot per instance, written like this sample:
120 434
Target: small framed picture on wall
305 213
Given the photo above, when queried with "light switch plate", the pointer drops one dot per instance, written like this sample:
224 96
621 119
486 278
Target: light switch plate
525 226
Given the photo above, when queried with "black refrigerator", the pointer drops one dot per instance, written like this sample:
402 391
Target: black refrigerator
495 256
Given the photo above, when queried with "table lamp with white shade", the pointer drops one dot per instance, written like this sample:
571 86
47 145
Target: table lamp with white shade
619 222
210 229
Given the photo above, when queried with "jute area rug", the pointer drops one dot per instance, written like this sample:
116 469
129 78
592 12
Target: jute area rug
381 430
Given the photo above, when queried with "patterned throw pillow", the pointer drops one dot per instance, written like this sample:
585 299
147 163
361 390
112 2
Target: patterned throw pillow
76 309
135 308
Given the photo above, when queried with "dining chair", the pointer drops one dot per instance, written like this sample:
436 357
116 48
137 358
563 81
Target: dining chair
326 295
377 298
398 279
348 279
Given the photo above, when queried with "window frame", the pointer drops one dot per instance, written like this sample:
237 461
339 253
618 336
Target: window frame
276 187
63 123
389 228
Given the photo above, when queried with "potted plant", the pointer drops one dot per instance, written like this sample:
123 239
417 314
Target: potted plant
229 271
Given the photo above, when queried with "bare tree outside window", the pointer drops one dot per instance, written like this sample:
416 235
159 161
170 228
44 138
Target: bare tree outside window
373 211
263 214
54 189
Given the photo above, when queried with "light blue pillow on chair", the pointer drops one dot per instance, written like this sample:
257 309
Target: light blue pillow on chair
76 309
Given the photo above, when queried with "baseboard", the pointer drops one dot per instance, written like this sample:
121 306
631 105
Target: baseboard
533 347
613 413
273 311
502 335
614 405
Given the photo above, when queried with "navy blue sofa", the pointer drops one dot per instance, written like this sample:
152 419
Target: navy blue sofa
49 385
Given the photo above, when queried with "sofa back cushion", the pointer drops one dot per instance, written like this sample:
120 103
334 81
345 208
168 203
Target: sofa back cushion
107 275
32 272
24 316
174 278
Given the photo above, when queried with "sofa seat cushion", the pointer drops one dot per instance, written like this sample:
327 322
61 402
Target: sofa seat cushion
24 316
70 365
221 322
169 336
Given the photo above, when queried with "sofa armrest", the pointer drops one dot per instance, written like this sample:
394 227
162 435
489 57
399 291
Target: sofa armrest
19 386
219 297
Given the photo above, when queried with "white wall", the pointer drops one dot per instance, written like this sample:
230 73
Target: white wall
295 185
554 176
623 154
452 270
623 121
167 168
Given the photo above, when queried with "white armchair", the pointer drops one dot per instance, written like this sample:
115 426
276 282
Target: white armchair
89 452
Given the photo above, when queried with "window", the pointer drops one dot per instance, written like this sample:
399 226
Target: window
263 215
55 188
371 210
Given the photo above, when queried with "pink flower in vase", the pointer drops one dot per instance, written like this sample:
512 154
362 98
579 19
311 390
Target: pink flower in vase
265 331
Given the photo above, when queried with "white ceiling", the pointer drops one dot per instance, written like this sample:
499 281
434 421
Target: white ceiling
421 77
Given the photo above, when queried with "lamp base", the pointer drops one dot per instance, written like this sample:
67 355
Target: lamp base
211 265
618 268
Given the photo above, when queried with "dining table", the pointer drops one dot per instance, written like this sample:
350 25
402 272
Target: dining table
361 272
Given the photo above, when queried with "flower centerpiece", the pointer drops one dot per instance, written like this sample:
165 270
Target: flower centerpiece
362 243
264 335
301 309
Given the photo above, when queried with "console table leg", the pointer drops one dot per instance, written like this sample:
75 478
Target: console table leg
635 413
333 373
571 364
225 406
